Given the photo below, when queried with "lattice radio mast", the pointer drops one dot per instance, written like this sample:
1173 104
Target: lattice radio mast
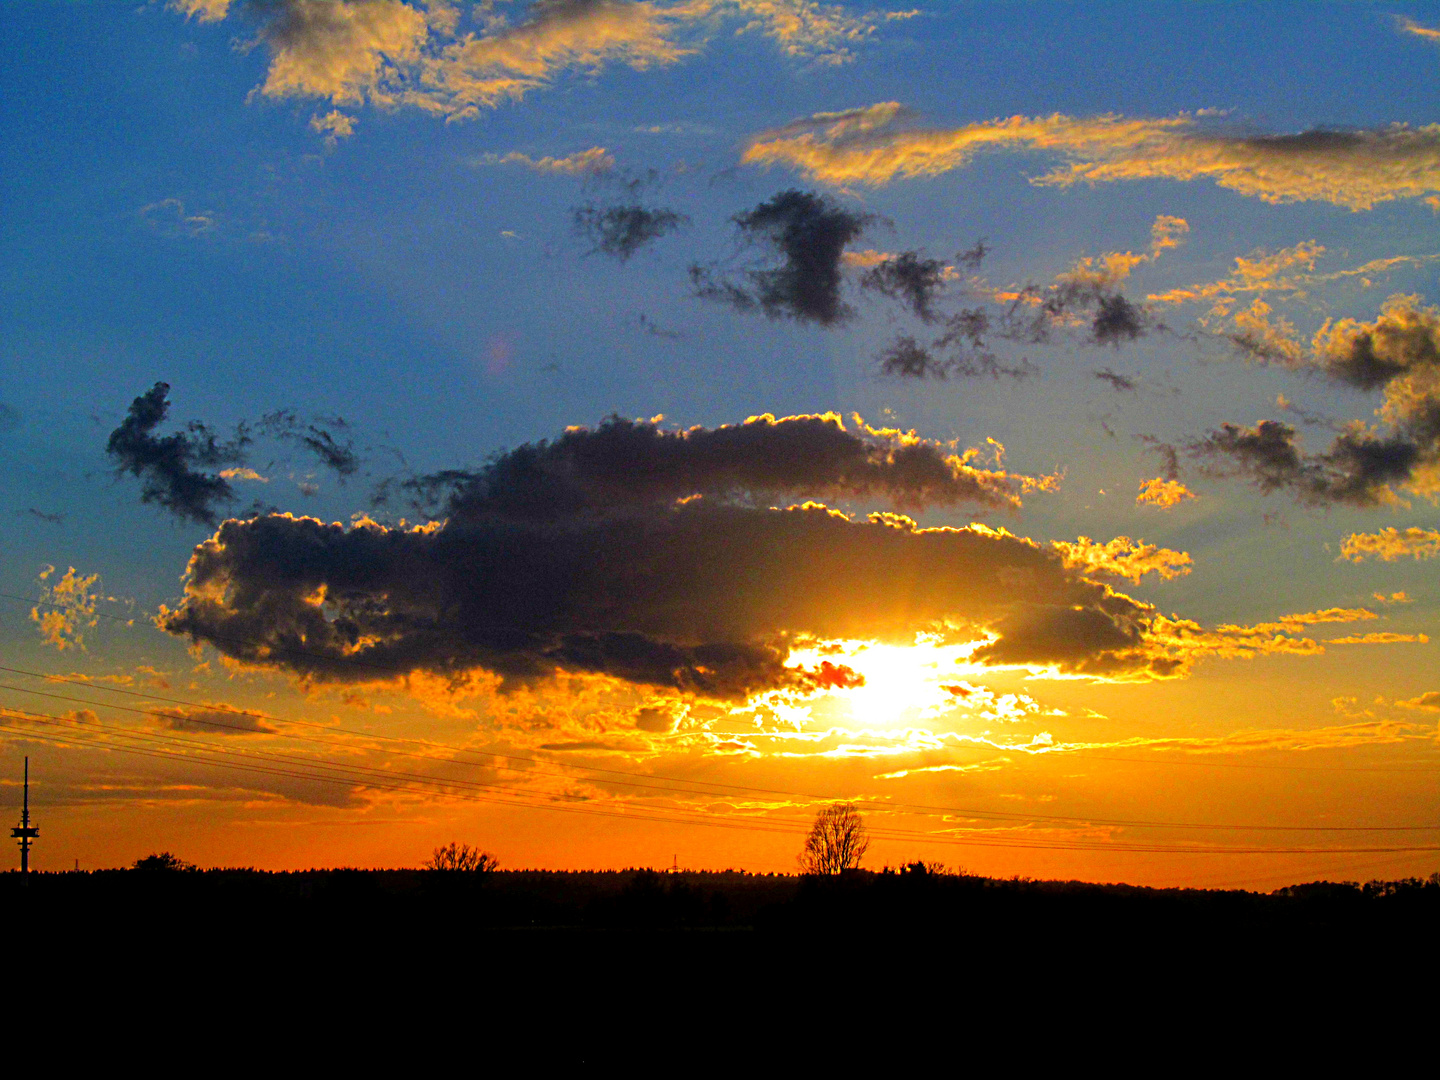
24 832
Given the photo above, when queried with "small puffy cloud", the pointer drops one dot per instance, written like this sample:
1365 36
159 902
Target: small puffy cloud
346 52
169 466
202 10
809 233
1429 700
908 277
1393 598
621 231
334 125
875 145
169 218
1391 543
1124 558
69 608
243 472
581 163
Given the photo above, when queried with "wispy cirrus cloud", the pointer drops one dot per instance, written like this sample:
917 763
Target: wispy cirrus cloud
878 144
581 163
456 61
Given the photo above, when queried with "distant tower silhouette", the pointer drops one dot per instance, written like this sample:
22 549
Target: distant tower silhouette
24 832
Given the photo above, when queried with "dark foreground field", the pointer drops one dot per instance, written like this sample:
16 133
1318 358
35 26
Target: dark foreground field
556 967
975 912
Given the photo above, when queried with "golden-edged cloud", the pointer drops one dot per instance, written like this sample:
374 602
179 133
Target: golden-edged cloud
878 144
1366 465
454 63
594 160
1163 494
69 608
1124 558
1391 543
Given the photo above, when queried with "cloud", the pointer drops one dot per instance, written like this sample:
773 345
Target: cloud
243 472
1399 352
592 554
315 436
1326 615
1410 26
1393 598
1381 637
908 277
1429 700
1124 558
169 466
621 231
348 52
638 463
1360 469
202 10
1119 383
215 721
453 62
69 608
334 125
1357 169
805 29
169 218
594 160
1390 544
809 232
1163 494
964 334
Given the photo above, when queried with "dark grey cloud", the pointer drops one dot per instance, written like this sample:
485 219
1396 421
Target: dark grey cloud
910 278
170 467
1038 312
636 463
906 358
51 519
1399 353
809 232
702 598
621 231
1359 469
591 553
959 351
215 721
319 437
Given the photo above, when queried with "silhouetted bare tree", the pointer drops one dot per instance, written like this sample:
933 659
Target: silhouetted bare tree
837 841
455 856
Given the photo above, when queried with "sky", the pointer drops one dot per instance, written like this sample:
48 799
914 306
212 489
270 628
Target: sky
607 432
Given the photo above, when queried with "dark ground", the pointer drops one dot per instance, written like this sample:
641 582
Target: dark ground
591 965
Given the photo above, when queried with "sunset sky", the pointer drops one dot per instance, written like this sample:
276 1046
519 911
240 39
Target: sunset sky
606 432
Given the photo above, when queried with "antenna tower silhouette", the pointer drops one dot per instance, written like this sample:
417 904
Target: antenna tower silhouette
24 832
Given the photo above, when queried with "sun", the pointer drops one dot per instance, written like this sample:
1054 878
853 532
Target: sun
903 683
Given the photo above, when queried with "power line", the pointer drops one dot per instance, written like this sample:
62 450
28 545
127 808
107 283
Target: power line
215 757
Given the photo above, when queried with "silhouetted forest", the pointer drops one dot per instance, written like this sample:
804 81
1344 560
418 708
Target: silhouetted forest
911 898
